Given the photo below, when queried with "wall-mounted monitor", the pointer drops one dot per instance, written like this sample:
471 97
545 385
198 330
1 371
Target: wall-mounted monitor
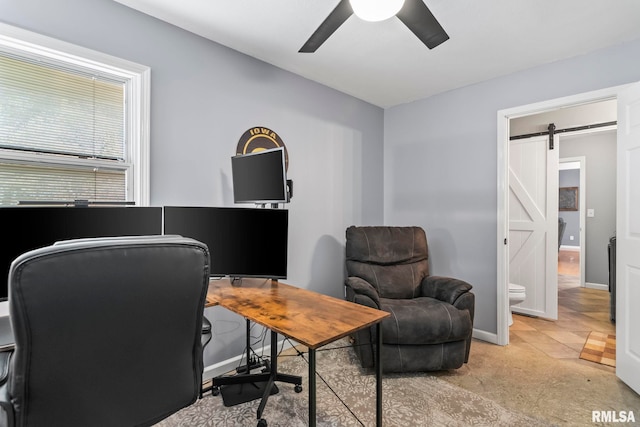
243 242
27 228
260 177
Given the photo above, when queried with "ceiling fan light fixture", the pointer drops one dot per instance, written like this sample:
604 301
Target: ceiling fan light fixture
376 10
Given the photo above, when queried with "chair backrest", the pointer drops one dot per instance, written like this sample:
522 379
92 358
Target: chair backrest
393 259
562 224
107 331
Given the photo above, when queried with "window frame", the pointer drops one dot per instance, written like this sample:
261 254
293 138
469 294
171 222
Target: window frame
137 80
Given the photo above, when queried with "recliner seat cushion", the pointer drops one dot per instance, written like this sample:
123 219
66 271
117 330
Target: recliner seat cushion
421 320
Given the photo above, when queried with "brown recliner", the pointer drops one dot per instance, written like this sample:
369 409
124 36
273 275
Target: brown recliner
431 318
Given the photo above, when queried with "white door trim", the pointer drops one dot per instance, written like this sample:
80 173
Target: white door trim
583 207
503 117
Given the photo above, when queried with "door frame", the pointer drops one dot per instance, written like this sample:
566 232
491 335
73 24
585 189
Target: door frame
503 117
582 202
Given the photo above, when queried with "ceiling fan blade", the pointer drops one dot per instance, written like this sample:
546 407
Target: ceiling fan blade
419 19
336 18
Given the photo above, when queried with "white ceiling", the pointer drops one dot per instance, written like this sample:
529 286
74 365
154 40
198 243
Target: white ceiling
384 63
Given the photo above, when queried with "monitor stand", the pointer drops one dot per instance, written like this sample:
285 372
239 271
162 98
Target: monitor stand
245 386
235 394
237 281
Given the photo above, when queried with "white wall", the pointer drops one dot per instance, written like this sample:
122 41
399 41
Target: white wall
440 158
203 98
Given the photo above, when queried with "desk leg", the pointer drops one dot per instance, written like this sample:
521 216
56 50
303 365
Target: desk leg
379 375
247 337
272 375
312 387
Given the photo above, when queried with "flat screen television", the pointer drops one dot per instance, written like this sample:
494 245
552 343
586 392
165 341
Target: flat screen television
27 228
243 242
260 177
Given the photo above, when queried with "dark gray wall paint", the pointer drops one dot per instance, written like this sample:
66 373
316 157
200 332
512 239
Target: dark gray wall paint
440 157
203 97
571 178
599 150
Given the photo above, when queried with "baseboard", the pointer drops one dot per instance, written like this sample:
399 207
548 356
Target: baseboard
230 364
570 248
485 336
598 286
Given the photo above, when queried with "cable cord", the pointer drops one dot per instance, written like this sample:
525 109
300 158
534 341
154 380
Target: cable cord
261 337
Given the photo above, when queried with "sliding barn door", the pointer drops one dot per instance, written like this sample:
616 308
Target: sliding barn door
533 224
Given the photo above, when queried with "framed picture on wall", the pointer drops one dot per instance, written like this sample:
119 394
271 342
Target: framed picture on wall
568 199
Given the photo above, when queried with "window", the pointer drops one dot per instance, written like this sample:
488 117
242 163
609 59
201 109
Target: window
74 123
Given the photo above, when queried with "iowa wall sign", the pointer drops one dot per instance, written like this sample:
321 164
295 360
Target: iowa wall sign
260 138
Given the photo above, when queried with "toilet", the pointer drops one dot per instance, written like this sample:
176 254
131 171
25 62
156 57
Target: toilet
516 296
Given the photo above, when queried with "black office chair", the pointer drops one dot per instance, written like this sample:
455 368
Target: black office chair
107 332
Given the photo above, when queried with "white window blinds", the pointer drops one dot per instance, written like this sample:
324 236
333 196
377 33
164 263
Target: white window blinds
60 111
62 133
24 182
74 122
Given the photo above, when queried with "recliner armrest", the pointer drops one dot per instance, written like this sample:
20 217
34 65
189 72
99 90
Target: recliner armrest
445 289
360 287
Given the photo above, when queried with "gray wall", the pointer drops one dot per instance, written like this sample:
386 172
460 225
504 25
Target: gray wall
599 150
571 178
440 157
439 154
203 97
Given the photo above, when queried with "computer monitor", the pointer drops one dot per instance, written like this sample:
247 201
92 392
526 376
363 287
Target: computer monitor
260 177
27 228
243 242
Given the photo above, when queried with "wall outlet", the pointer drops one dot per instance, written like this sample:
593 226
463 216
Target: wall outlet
591 213
570 237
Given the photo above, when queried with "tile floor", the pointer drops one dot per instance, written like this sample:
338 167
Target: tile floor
540 373
580 311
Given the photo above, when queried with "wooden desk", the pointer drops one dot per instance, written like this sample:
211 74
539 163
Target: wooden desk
310 318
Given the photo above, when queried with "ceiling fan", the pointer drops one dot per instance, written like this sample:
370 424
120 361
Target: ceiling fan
413 13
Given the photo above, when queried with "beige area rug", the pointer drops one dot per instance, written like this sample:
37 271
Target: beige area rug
408 400
600 348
